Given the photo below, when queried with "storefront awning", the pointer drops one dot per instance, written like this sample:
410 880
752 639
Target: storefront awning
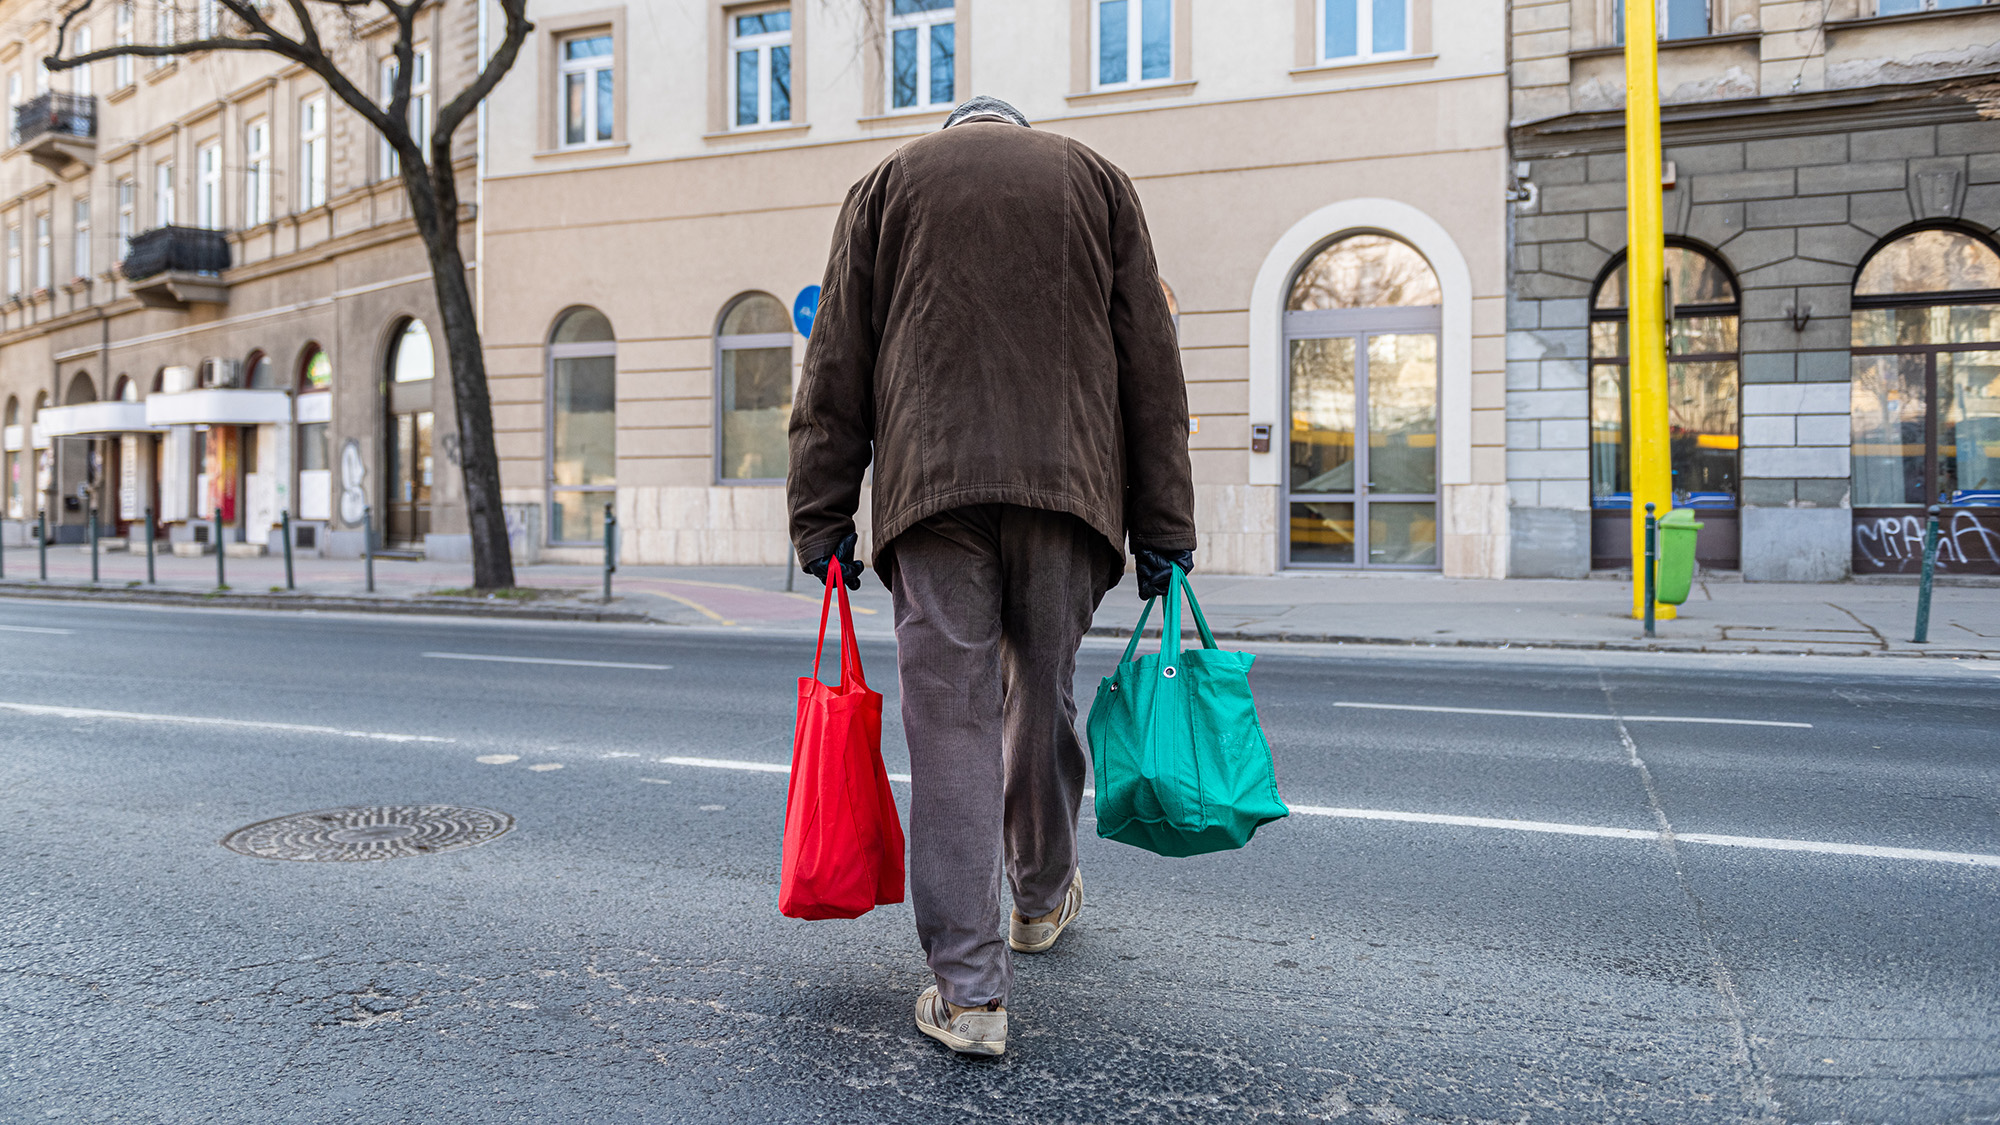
218 407
90 419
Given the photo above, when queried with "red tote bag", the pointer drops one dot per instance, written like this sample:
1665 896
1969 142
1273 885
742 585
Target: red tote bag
843 840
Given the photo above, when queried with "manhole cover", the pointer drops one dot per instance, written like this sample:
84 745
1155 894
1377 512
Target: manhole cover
369 832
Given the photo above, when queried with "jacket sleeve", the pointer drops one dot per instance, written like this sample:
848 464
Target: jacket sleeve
833 418
1152 394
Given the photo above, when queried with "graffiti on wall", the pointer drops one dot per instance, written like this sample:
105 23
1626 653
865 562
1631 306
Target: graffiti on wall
353 498
1968 543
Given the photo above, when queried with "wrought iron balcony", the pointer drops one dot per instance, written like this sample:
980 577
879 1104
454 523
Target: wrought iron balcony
57 129
172 267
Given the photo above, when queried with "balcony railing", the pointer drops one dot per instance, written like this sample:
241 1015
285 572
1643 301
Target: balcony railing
56 114
176 250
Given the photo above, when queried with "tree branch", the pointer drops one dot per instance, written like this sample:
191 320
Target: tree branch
455 112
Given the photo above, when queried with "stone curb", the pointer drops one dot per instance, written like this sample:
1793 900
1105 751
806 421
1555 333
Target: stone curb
455 607
1713 647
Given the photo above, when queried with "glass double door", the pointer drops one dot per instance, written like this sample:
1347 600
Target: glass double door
409 478
1362 471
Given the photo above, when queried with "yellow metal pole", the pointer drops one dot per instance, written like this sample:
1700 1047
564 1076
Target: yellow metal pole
1645 267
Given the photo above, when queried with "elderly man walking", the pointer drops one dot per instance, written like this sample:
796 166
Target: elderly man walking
993 335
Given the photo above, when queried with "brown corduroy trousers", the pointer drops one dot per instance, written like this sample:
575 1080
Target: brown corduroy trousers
992 601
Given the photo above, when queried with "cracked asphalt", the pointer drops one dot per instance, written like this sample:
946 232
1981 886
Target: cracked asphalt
1405 952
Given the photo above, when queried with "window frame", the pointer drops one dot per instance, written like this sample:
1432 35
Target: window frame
1364 39
921 23
595 64
80 238
126 193
166 196
257 171
45 250
122 23
745 342
313 163
1134 34
553 352
79 82
388 165
208 194
16 264
763 43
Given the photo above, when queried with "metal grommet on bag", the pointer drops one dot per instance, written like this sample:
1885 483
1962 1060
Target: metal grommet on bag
1168 672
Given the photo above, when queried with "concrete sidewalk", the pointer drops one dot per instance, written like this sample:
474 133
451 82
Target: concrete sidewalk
1360 608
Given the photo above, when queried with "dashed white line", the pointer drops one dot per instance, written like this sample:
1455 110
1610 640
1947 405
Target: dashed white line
1570 715
200 720
35 629
1819 847
491 659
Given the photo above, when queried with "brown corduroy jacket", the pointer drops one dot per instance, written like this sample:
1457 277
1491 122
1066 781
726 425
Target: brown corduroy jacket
992 329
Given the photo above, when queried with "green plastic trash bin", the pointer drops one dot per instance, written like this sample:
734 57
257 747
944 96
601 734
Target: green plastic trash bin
1675 576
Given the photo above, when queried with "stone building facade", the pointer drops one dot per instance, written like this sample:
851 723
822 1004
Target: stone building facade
1806 145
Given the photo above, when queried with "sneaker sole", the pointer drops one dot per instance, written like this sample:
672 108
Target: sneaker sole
961 1044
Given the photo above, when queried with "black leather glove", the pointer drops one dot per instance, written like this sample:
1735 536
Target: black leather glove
1156 569
850 567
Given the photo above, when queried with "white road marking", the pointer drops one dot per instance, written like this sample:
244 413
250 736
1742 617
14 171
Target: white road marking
656 780
545 767
1571 715
35 629
497 759
198 720
545 660
1820 847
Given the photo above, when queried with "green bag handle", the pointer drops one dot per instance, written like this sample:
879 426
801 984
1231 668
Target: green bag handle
1170 627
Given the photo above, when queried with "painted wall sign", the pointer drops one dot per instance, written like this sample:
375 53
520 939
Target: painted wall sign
805 306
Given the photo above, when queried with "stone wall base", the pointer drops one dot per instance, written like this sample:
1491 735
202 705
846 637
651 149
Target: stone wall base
1548 543
1797 544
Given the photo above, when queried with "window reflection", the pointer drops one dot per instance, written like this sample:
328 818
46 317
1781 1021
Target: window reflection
1366 271
754 390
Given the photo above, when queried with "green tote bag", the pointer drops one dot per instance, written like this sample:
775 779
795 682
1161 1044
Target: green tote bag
1181 761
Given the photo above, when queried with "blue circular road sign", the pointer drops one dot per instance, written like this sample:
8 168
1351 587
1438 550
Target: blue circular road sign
804 307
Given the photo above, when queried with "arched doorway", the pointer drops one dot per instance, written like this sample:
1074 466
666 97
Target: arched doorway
1926 403
1361 328
1704 407
412 368
312 410
583 425
13 444
753 366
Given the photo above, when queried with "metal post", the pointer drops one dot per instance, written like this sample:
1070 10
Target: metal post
42 538
149 546
221 579
1924 584
93 544
1645 286
610 549
1652 564
368 543
286 519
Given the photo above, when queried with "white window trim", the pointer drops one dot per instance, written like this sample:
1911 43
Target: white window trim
208 187
922 22
45 250
79 82
1364 34
1135 45
80 242
166 201
312 154
14 275
587 67
387 162
128 214
121 35
762 44
257 172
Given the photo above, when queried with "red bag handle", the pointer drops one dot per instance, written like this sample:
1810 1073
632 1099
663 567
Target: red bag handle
850 649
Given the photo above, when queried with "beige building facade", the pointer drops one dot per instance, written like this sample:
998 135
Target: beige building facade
1324 180
214 301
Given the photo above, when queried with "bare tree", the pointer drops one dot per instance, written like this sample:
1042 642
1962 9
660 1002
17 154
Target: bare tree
429 181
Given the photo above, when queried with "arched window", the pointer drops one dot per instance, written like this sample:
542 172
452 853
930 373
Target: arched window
45 462
1926 397
410 468
753 366
411 359
1361 334
13 443
81 389
315 370
583 425
260 373
1703 408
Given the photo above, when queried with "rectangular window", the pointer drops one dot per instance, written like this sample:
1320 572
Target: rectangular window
256 173
208 187
584 85
80 82
45 250
1901 7
128 217
14 261
386 163
1356 30
210 16
760 68
923 54
80 242
1675 19
1135 41
165 206
312 153
121 67
163 31
419 112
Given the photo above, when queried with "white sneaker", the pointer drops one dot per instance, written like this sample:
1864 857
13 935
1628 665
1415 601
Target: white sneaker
1024 936
976 1032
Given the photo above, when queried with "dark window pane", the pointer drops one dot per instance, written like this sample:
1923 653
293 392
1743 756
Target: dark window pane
1608 467
781 83
1322 533
1322 404
756 386
943 45
1969 426
1888 418
911 7
1702 416
585 437
904 68
1111 35
746 87
606 114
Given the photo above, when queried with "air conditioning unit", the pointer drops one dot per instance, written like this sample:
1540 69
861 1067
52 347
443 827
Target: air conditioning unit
221 374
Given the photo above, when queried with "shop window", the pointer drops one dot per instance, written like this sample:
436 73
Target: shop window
414 361
316 371
760 67
1926 358
923 53
1134 41
1359 30
586 87
1361 337
583 425
753 364
1673 19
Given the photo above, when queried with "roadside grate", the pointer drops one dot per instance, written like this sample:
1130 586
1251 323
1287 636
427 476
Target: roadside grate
369 832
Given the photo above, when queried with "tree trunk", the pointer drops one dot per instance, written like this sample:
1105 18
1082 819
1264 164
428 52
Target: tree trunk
479 461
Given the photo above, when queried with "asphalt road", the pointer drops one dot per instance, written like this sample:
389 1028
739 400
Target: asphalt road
1715 922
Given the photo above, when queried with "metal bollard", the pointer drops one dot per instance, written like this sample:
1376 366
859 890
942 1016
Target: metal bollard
221 579
42 538
368 543
1652 564
610 549
93 544
1924 584
286 520
149 546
